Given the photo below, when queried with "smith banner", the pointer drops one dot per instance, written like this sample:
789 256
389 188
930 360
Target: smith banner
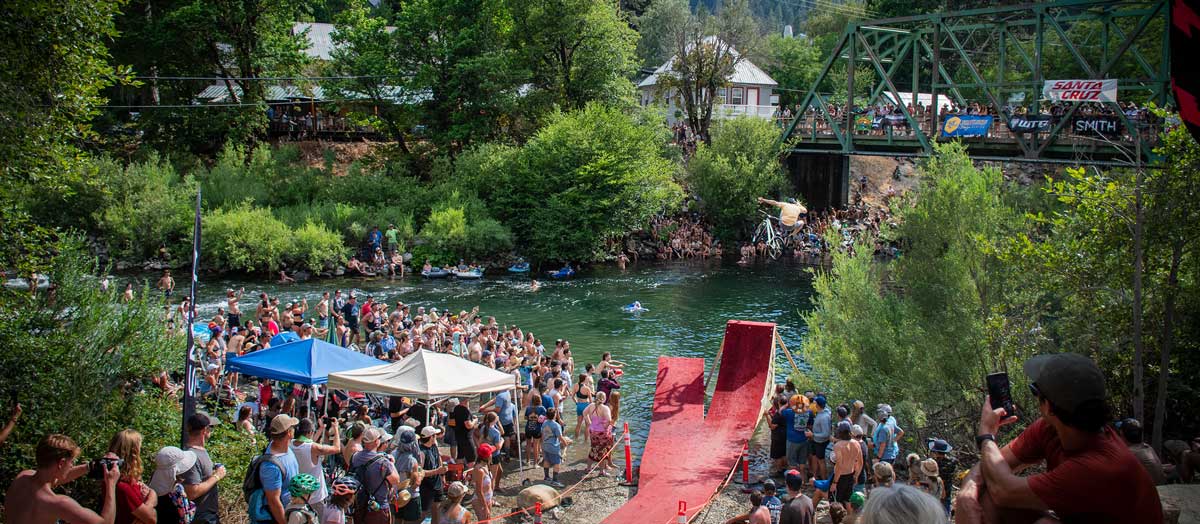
1080 90
1029 123
1185 76
966 126
1097 126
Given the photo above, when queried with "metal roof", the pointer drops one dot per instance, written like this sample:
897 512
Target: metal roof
745 72
320 38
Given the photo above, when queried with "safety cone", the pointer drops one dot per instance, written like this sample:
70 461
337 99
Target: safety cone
537 513
628 459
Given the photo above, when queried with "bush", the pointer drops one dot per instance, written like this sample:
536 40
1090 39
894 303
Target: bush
267 178
81 359
741 164
245 238
588 177
315 248
460 226
150 205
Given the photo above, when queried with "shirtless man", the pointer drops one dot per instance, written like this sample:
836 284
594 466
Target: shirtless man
323 311
166 284
235 313
31 498
622 260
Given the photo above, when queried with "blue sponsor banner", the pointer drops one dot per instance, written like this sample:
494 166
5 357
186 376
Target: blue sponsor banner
966 125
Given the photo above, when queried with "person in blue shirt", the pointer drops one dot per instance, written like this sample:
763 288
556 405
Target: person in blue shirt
375 238
795 419
273 479
887 435
771 500
822 428
553 441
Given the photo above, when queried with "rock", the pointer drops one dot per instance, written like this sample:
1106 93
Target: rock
1181 503
531 495
339 271
904 170
122 265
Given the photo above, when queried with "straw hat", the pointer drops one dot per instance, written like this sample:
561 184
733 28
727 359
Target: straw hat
929 467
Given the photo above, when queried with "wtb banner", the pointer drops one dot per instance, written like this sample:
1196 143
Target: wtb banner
1099 125
966 126
1029 123
1080 90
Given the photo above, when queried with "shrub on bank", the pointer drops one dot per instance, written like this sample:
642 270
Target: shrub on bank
741 164
245 238
148 205
315 248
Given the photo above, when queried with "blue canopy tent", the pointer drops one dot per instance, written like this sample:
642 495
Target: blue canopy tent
305 362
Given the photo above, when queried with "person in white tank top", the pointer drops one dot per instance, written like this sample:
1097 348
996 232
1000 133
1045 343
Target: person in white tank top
309 452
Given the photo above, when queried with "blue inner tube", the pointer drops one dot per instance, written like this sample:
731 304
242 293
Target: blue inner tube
631 308
519 268
436 272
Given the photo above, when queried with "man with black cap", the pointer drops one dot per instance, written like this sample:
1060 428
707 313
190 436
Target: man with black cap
200 481
799 508
1090 474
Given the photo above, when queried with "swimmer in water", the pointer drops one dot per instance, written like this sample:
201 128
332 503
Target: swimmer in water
534 286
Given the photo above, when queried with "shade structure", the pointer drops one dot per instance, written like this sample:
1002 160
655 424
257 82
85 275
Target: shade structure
425 374
302 362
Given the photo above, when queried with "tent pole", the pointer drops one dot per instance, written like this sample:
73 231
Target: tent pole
516 394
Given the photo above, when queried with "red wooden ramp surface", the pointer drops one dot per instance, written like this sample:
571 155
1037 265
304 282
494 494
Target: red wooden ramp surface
688 455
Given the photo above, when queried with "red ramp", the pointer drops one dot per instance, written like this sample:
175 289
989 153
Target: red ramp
688 456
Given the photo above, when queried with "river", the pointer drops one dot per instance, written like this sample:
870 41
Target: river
688 303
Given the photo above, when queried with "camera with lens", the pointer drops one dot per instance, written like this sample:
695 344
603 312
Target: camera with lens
97 467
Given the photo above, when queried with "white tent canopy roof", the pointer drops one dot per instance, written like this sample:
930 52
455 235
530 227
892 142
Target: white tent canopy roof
425 374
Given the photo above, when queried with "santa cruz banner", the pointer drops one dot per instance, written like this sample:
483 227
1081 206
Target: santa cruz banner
1080 90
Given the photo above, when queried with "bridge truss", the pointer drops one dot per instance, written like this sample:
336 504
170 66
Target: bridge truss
997 57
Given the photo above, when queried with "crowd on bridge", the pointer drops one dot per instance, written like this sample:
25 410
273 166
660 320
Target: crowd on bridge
810 243
888 119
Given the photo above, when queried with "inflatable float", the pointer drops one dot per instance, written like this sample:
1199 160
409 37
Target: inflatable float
565 272
436 272
635 307
522 267
470 274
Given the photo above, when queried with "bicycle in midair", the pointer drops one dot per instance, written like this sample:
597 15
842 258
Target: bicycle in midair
768 234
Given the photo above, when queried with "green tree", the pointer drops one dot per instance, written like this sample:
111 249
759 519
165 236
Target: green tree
578 51
589 176
364 49
56 66
923 331
657 27
741 164
795 64
83 359
707 51
455 51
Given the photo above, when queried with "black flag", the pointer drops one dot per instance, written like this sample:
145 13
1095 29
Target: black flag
189 365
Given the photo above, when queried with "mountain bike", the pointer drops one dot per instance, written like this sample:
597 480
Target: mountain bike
767 234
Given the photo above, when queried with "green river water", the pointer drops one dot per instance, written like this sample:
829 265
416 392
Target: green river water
688 302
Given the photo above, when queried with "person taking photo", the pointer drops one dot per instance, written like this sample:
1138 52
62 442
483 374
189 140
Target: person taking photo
31 499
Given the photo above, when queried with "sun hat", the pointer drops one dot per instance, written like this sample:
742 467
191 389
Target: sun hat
456 490
170 462
940 446
929 467
281 423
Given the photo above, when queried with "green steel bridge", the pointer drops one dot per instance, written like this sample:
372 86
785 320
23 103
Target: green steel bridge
996 59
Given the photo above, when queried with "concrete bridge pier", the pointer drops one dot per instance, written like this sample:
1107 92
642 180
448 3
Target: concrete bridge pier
822 179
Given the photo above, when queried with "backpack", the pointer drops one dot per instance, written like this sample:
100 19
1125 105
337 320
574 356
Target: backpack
252 488
365 498
305 511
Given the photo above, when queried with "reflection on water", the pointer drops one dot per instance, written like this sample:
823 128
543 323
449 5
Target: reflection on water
688 304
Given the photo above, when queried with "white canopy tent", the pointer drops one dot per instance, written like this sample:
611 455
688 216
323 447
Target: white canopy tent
431 377
426 375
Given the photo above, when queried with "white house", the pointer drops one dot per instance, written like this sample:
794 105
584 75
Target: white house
750 92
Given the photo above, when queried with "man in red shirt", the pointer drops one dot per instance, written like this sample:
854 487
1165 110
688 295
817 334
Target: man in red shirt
1091 476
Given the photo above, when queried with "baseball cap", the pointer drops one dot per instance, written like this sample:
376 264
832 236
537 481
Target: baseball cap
856 430
456 490
769 486
200 420
820 400
281 423
844 427
485 450
1067 380
859 404
374 433
857 500
793 479
883 410
430 431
